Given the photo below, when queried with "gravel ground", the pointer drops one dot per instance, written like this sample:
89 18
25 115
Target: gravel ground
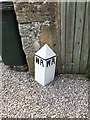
23 97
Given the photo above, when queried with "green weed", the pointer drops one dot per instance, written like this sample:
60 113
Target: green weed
88 72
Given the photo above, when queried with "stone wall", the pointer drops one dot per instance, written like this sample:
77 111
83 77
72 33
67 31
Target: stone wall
35 22
28 12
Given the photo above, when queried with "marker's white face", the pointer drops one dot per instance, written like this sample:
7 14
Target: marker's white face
44 70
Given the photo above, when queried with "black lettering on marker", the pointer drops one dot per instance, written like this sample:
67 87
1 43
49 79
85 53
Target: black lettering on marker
37 60
41 62
48 63
53 61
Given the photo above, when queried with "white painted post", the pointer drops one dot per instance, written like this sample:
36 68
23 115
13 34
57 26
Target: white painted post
0 58
45 62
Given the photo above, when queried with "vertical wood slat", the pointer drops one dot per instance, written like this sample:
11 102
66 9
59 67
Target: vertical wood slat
85 46
89 57
89 31
78 35
63 17
70 19
58 20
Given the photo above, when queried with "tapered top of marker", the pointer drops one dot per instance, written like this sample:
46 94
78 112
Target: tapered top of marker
45 52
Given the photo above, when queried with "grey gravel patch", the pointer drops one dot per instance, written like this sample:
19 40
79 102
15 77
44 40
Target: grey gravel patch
23 97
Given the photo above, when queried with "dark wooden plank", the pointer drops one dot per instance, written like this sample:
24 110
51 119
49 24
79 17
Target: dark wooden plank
57 43
78 35
89 57
85 46
63 34
70 18
89 32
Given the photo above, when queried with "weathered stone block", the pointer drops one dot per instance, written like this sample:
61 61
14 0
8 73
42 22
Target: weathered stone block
30 61
27 12
46 36
35 34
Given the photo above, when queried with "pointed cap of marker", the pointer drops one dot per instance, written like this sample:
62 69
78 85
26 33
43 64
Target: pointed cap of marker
45 52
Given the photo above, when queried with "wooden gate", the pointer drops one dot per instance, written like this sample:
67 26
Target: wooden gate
74 42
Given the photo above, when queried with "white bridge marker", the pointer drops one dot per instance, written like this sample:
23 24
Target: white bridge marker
45 62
